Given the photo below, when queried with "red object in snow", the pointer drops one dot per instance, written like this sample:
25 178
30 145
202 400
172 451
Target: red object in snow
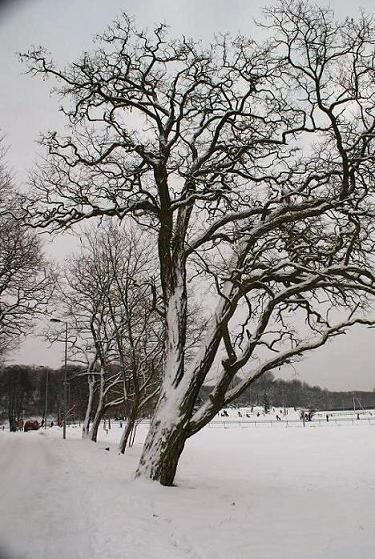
31 425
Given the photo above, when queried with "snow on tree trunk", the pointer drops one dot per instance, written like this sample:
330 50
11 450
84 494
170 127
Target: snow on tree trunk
126 435
166 437
86 421
164 444
100 411
133 434
169 426
93 433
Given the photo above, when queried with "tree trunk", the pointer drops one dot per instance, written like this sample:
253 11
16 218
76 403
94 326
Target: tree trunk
126 435
167 435
166 438
169 426
100 410
132 416
161 452
86 422
93 434
133 434
12 424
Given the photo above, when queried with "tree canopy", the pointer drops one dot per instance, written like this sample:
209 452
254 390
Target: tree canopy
253 164
26 279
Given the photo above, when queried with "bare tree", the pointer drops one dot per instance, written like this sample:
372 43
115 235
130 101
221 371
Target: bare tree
26 279
137 327
254 166
81 297
107 297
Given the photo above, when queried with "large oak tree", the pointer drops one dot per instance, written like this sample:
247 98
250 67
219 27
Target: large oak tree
253 164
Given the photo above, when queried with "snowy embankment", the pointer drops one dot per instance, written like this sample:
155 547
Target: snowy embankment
241 493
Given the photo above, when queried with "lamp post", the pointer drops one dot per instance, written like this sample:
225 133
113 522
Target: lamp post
46 401
65 371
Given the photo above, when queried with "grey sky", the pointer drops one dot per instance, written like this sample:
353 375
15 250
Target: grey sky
66 28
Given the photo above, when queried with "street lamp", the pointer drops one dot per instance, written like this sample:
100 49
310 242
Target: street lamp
46 401
65 370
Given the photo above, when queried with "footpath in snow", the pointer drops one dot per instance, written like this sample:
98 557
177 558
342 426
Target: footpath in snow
241 493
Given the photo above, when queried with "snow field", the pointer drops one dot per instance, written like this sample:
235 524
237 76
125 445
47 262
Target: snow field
241 493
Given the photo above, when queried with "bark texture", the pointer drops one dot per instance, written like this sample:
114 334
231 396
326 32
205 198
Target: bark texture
161 453
86 421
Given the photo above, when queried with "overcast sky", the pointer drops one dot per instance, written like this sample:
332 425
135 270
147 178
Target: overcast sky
66 28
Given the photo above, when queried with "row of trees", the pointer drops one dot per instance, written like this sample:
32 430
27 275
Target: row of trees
28 391
249 170
102 294
295 393
23 391
105 297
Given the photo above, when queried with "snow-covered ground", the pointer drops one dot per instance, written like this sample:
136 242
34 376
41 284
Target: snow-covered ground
287 417
241 494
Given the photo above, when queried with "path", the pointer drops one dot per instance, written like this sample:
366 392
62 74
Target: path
41 509
74 500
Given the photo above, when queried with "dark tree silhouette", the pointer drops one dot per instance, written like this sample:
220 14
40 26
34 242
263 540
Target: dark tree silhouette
254 166
26 279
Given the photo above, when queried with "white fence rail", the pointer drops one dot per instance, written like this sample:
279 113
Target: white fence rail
286 423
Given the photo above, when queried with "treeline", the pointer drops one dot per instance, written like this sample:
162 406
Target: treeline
271 391
23 391
38 392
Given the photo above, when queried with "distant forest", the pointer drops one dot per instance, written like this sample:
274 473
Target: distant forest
23 392
295 393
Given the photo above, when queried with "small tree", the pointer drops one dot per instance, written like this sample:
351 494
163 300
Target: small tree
107 296
254 167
